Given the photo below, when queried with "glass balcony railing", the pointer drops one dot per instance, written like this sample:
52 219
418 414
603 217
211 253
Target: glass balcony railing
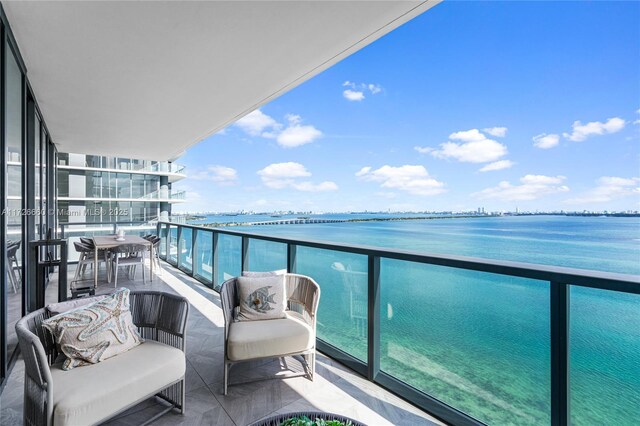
165 167
164 195
117 163
469 340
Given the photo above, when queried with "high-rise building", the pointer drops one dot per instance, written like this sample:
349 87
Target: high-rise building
97 189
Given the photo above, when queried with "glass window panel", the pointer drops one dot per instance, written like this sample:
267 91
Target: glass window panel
63 183
186 261
37 177
137 186
152 211
137 211
476 341
14 157
204 255
151 184
267 255
604 357
342 313
45 184
124 185
229 257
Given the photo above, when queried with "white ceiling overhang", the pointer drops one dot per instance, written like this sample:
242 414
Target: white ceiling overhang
150 79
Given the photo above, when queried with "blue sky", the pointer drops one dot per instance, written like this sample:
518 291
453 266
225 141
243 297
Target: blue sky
534 105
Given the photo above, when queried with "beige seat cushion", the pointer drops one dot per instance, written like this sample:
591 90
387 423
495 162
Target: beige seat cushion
261 339
91 394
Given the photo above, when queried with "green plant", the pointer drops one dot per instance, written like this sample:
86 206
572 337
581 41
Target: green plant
306 421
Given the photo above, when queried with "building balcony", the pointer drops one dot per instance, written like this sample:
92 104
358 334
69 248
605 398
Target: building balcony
373 344
163 196
174 172
399 332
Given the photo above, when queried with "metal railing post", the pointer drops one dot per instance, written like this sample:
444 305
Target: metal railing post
373 317
245 254
194 251
559 321
179 246
214 261
167 229
291 258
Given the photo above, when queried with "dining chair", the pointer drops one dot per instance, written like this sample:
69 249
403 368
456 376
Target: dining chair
87 253
130 256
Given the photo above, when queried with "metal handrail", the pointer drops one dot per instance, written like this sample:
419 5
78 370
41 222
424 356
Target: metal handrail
586 278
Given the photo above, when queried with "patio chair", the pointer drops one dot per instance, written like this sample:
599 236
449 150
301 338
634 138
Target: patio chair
155 240
129 256
94 393
272 338
87 254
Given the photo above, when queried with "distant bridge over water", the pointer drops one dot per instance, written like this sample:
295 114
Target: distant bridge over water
296 221
304 221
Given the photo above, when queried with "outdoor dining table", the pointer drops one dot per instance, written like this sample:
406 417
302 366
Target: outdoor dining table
109 241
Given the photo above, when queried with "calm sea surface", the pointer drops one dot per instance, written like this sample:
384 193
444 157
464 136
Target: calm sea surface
478 341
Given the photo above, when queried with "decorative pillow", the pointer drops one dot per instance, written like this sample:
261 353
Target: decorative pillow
261 298
264 274
62 307
95 332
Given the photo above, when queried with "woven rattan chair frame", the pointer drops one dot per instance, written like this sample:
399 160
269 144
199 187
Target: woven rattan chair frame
159 316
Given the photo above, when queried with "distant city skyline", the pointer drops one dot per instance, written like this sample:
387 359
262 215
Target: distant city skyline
505 105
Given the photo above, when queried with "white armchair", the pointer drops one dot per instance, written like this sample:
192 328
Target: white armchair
273 338
95 393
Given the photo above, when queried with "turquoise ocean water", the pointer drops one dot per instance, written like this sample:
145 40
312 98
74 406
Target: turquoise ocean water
478 341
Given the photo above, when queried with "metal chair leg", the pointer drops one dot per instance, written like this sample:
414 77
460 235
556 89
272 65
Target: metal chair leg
226 376
115 280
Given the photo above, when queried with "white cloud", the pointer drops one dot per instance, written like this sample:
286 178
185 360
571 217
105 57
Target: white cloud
498 165
412 179
292 135
316 187
287 175
257 122
638 120
583 131
356 91
363 171
471 152
545 141
609 188
474 147
221 175
353 95
531 187
472 135
423 149
499 132
297 135
374 88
